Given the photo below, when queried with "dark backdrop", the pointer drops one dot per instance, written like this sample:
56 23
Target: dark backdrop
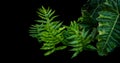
28 47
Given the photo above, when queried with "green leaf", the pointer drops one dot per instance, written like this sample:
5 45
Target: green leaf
46 48
75 54
51 14
41 21
60 29
109 28
71 37
84 33
52 18
49 52
60 48
48 31
42 17
49 11
91 47
43 10
35 30
77 49
76 45
58 25
74 42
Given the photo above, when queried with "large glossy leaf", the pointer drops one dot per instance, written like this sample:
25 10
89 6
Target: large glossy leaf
109 27
89 13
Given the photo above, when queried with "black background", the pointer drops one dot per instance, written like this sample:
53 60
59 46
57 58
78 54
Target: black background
28 47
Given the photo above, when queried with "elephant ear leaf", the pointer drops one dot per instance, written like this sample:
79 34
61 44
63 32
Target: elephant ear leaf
109 28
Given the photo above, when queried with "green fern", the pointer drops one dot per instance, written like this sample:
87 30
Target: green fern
48 31
78 38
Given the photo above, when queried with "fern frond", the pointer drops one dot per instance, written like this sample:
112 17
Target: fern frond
77 38
48 31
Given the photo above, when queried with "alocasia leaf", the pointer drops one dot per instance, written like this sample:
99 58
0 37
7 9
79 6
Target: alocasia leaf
109 27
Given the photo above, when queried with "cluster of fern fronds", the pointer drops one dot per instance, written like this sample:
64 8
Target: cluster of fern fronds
100 21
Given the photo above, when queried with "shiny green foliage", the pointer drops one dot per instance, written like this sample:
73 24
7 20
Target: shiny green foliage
48 31
98 29
109 27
